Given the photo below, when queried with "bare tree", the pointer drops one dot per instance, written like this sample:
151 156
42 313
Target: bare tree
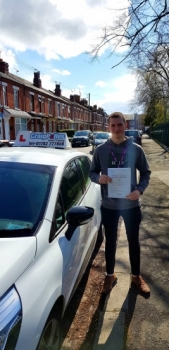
140 29
152 95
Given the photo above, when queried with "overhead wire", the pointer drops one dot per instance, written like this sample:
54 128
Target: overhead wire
33 69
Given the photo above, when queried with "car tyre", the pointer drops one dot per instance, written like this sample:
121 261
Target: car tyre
51 335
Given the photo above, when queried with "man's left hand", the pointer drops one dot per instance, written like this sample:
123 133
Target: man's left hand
134 196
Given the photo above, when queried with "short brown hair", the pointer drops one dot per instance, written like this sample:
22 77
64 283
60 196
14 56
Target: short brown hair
117 115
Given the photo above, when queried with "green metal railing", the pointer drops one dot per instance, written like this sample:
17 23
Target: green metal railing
160 133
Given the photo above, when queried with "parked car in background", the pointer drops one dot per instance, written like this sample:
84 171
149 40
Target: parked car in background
6 143
95 133
100 138
135 134
49 221
82 138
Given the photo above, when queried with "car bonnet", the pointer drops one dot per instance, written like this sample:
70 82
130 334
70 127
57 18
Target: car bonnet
16 254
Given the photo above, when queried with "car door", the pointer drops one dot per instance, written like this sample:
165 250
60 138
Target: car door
91 198
71 194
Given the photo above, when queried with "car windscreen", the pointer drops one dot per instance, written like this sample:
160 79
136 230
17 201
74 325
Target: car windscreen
81 133
24 190
102 136
131 133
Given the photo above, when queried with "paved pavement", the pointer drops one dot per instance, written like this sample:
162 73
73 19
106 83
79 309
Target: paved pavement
110 335
120 325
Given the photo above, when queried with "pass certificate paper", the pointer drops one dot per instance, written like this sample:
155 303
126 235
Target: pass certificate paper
120 186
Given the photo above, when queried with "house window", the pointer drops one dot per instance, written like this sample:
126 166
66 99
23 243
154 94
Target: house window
58 104
50 107
63 110
56 108
4 94
31 102
43 105
16 97
40 104
20 124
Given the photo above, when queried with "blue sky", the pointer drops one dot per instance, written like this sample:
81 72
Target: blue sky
52 36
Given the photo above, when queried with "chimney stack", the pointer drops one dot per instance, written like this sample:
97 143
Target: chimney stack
72 98
84 102
37 81
4 66
77 98
58 91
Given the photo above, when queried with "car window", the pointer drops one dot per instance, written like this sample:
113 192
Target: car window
131 133
84 164
71 187
24 190
81 133
59 214
102 136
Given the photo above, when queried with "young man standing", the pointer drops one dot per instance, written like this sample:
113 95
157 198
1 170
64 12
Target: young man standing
121 154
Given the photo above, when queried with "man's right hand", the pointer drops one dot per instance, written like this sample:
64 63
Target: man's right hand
104 179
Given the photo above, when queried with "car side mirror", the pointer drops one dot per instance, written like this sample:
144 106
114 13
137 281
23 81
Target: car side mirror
77 216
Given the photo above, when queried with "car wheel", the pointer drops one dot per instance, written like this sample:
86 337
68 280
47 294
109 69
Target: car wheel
51 335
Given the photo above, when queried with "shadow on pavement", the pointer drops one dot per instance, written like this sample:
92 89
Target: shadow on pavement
91 334
77 296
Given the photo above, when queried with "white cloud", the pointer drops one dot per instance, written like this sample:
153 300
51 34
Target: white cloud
122 92
124 88
100 83
66 92
81 87
8 56
58 29
63 72
55 28
79 90
48 82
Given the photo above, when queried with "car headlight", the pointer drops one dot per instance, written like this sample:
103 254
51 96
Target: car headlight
10 319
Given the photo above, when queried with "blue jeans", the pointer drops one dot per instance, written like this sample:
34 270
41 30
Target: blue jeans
132 220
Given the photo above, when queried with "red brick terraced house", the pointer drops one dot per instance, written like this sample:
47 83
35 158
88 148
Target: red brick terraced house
29 106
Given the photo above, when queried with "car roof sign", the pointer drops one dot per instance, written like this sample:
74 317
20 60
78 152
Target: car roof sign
42 139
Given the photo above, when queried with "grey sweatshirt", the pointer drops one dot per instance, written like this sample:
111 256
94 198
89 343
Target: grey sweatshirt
134 158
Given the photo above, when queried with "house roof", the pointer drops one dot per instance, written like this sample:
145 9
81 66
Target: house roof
17 79
27 83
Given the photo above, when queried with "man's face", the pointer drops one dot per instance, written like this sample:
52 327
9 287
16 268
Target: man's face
117 127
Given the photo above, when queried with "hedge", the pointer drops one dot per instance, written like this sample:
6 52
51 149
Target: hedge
69 132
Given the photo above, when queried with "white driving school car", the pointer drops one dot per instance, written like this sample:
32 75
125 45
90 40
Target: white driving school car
49 219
